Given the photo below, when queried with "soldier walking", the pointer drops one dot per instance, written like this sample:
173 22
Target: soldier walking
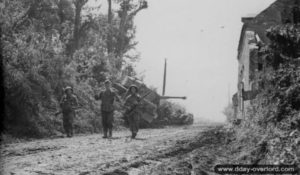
132 114
68 104
107 98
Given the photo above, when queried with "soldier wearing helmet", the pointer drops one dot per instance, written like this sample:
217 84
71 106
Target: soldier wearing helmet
68 104
132 114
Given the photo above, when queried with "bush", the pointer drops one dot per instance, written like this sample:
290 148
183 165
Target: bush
170 113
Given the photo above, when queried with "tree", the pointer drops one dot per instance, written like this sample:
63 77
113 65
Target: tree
77 24
120 35
126 31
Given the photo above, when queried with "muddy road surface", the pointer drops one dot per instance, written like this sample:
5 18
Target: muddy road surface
149 153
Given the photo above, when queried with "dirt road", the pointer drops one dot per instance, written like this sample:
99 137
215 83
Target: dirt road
91 154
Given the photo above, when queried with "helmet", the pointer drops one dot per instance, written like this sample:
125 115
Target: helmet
68 87
107 81
133 86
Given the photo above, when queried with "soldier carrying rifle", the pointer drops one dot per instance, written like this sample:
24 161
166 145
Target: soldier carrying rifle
68 104
132 114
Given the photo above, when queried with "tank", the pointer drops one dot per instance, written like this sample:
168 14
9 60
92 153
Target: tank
150 103
148 107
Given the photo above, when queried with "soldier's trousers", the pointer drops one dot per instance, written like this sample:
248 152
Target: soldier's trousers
68 118
107 120
134 120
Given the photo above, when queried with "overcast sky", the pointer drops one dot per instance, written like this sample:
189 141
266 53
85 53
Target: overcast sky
199 38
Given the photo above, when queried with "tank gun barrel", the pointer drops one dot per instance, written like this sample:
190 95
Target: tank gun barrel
172 97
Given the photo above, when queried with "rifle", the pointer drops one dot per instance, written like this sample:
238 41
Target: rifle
136 105
60 111
57 113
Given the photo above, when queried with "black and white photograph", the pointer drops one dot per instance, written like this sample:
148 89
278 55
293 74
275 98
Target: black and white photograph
150 87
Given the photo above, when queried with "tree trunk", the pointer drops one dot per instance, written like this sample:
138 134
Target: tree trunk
122 27
125 23
76 33
109 37
76 26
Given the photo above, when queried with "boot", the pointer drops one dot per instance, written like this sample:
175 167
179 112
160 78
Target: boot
133 135
110 133
67 132
105 134
71 132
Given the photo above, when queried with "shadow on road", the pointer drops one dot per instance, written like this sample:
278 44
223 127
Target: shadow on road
139 139
114 138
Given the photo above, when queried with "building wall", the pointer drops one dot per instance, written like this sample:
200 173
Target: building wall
250 64
248 44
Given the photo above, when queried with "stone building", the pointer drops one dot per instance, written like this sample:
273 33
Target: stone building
253 36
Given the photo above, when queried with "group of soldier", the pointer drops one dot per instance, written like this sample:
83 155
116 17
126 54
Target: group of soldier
108 96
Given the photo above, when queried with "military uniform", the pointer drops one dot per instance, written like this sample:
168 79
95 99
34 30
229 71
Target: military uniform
68 104
133 117
107 98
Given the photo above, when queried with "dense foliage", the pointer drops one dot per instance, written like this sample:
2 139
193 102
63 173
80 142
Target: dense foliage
170 113
47 45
